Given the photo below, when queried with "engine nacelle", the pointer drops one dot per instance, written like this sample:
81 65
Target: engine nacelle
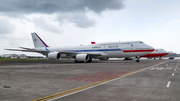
54 55
82 57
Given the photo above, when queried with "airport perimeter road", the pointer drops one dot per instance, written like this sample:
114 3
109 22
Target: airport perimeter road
149 80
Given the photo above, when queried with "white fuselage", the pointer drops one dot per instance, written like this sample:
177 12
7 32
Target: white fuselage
108 50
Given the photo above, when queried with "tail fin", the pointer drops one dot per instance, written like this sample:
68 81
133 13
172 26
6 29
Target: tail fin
38 42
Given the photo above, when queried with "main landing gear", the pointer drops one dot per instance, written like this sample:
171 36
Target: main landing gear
89 61
138 59
75 61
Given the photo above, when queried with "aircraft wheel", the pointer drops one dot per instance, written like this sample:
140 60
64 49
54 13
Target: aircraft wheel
137 60
90 60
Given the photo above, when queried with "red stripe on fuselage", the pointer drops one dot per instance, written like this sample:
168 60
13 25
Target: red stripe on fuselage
155 55
149 50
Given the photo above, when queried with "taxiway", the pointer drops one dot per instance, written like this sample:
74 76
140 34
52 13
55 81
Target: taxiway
148 80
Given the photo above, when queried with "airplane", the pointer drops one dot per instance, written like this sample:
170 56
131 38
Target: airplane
156 53
171 55
85 53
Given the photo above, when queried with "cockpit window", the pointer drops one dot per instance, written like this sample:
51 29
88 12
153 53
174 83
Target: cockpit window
140 42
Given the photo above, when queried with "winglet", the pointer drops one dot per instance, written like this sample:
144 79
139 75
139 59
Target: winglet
38 42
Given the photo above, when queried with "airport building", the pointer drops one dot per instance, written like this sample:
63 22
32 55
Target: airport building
15 56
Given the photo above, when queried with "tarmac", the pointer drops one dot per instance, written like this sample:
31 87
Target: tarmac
113 80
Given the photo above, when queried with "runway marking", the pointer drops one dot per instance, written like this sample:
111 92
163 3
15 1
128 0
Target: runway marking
168 84
172 74
174 69
160 68
177 64
156 68
89 86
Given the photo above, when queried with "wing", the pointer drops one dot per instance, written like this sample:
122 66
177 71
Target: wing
45 52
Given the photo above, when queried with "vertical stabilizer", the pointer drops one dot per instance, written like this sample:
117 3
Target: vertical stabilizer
38 42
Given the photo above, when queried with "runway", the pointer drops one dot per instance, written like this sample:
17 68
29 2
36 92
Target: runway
149 80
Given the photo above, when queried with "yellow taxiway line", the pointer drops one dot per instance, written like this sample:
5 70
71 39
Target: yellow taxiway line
79 89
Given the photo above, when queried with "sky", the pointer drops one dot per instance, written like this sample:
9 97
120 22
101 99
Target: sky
79 22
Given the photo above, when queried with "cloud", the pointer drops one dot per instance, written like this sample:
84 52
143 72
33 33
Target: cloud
46 25
6 27
159 23
99 6
74 10
53 6
79 19
169 22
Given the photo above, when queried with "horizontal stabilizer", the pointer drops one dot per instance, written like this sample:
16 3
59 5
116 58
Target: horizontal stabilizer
25 48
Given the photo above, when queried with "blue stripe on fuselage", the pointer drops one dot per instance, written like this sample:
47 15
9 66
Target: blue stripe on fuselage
93 50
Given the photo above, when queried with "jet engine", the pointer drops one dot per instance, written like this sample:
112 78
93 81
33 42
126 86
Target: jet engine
54 55
82 57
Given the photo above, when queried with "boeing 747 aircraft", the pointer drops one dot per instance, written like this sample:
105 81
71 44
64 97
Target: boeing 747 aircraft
85 53
156 53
